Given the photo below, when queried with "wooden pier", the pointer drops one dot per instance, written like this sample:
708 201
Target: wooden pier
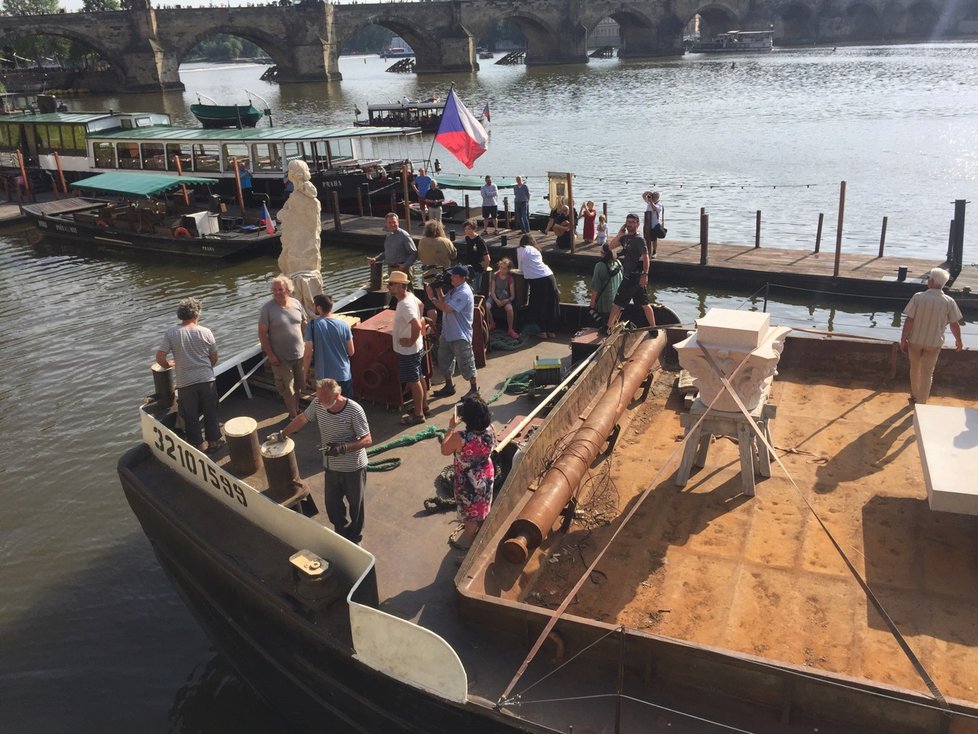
862 277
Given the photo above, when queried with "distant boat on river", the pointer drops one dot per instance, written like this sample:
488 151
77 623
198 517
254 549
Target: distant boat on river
735 42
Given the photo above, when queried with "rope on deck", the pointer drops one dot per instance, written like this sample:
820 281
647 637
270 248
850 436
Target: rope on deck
392 463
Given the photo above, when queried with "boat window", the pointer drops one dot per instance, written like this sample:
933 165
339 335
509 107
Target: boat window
128 155
238 151
175 150
320 156
153 157
48 138
295 152
104 155
8 134
207 157
267 157
76 133
341 150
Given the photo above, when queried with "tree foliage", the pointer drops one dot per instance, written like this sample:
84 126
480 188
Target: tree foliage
371 39
225 48
92 6
30 7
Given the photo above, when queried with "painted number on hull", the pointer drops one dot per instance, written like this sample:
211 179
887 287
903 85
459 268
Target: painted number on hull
197 466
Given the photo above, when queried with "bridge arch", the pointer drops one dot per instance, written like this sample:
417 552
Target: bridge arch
794 24
421 40
113 58
543 41
864 23
716 18
265 41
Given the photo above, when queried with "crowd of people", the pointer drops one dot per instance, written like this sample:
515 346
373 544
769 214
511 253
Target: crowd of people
317 351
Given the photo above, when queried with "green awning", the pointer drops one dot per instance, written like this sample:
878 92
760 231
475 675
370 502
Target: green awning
138 184
470 183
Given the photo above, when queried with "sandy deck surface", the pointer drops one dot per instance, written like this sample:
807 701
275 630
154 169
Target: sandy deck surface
708 564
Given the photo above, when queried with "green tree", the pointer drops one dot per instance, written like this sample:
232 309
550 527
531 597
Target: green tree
92 6
30 7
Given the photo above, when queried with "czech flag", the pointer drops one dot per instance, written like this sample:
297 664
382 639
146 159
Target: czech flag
460 133
267 219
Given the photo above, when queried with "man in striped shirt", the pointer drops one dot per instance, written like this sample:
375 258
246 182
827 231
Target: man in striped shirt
928 315
344 437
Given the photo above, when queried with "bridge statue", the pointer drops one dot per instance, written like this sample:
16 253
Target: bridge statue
301 226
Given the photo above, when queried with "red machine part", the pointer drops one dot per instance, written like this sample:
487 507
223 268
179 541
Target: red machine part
374 361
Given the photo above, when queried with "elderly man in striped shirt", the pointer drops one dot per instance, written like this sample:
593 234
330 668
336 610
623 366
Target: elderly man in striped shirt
344 437
929 313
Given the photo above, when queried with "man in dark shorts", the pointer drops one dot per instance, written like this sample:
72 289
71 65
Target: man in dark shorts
407 335
490 206
635 268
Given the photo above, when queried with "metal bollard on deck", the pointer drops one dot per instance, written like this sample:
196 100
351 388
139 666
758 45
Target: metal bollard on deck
244 454
163 383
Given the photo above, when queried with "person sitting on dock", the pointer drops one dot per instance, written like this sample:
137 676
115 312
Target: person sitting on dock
400 252
635 272
194 353
563 228
929 313
455 343
344 436
281 325
329 345
503 293
490 206
421 184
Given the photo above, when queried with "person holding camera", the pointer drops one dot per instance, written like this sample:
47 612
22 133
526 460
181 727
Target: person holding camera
455 344
344 436
474 471
653 230
605 282
635 268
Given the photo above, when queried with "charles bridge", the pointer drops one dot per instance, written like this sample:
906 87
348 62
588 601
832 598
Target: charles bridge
144 45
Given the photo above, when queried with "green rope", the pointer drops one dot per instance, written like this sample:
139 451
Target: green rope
391 464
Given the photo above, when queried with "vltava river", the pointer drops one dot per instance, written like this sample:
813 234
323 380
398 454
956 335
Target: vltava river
92 637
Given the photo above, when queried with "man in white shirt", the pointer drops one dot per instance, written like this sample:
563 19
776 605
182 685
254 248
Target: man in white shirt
408 337
490 206
929 313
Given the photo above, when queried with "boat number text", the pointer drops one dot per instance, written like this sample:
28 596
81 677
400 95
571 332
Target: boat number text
197 466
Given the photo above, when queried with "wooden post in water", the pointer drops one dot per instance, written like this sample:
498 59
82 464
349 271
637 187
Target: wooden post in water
509 225
883 236
604 210
838 231
393 206
337 222
370 201
957 242
468 212
818 232
359 201
407 200
704 235
950 241
757 230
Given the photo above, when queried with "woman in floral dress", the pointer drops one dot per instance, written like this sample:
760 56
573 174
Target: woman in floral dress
474 472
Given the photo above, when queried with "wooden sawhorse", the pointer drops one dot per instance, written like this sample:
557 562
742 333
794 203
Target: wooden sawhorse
721 423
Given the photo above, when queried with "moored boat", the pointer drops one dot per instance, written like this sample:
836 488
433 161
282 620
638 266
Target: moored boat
703 617
423 115
134 213
735 42
220 116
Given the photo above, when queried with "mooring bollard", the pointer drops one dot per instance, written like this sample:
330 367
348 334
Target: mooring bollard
704 236
376 276
241 434
337 221
282 471
163 385
901 273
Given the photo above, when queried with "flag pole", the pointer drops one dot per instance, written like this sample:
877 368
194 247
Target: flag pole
427 163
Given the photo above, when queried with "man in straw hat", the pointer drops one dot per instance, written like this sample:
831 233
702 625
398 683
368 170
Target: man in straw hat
408 337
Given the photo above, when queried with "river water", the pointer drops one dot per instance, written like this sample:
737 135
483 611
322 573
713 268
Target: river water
91 635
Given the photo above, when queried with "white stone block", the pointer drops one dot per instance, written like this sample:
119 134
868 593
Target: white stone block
947 438
734 329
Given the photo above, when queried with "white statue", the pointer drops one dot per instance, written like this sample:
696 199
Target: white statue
301 225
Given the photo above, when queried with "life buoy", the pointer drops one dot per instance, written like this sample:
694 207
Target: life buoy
181 232
101 223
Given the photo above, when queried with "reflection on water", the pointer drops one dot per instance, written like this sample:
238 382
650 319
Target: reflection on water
90 630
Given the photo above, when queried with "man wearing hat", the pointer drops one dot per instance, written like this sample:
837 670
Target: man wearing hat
408 337
635 272
456 332
929 313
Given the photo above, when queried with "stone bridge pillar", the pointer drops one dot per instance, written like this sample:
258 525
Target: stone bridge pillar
149 67
314 48
455 52
639 42
569 46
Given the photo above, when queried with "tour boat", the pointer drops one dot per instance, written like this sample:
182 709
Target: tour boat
736 42
344 160
150 213
598 595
